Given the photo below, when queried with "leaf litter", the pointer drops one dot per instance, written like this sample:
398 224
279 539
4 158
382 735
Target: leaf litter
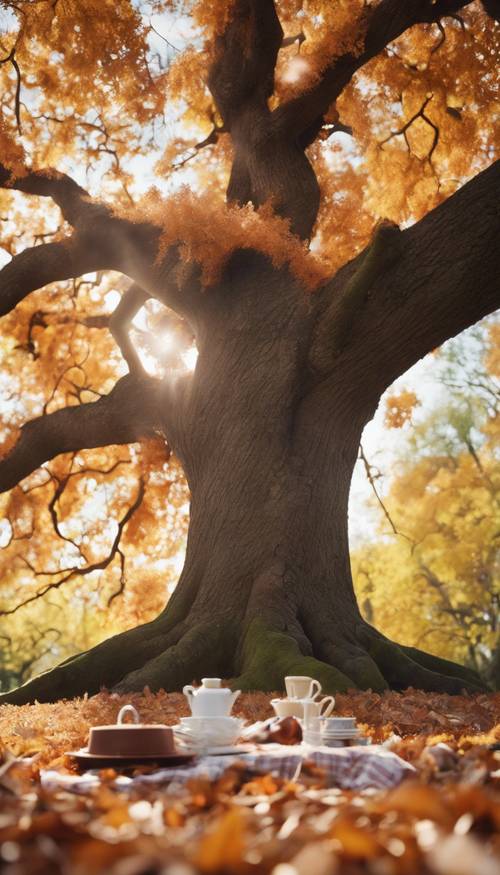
443 820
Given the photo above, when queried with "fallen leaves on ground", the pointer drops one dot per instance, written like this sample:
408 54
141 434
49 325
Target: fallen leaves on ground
445 820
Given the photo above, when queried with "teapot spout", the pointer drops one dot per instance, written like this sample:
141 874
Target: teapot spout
233 698
188 692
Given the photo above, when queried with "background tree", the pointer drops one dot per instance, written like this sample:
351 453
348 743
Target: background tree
294 351
433 577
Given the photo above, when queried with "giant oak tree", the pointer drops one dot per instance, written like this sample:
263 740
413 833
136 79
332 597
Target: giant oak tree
321 276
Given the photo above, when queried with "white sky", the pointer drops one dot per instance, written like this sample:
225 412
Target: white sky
382 445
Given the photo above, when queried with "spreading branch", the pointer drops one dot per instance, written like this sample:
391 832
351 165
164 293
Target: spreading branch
100 565
37 266
387 21
442 279
129 412
73 201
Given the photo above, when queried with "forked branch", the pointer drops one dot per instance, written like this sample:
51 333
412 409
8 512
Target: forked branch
246 53
129 412
37 266
121 320
386 22
70 197
440 278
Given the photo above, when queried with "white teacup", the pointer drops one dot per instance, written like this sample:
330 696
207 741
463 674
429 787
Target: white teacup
287 707
299 687
313 710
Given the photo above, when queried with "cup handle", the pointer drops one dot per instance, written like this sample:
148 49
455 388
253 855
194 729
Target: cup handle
330 702
127 709
312 691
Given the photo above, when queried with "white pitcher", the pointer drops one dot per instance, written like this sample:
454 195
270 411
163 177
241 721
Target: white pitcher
314 710
210 700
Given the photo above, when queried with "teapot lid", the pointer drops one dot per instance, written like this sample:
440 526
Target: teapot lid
211 683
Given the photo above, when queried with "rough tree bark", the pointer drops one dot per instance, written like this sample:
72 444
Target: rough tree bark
268 426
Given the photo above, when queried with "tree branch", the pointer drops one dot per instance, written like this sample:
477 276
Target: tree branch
37 266
120 322
386 22
371 477
100 565
246 53
441 278
71 198
131 410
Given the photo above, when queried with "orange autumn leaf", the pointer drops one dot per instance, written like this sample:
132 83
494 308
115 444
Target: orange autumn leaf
399 409
222 847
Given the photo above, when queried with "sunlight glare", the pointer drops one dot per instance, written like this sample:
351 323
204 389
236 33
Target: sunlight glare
149 362
297 68
190 358
111 300
164 342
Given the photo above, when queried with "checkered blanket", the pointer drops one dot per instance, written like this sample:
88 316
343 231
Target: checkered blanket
357 768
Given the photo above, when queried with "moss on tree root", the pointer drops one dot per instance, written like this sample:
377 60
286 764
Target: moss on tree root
268 655
363 670
101 666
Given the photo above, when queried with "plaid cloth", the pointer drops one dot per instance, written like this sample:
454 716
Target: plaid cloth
357 768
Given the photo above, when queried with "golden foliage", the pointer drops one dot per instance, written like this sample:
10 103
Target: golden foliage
331 30
207 231
493 356
11 151
436 583
399 409
10 440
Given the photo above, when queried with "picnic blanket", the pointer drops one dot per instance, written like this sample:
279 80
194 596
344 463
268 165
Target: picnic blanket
356 768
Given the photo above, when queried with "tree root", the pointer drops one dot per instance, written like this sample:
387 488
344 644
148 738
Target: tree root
363 670
203 650
167 657
268 655
405 667
442 666
103 665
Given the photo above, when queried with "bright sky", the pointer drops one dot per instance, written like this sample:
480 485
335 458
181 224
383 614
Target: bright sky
382 445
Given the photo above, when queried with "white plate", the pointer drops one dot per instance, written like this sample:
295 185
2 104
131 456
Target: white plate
230 749
222 749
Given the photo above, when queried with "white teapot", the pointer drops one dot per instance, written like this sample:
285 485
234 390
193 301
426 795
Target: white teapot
210 700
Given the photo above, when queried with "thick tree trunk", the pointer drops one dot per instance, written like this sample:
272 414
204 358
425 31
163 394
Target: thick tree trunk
268 451
268 427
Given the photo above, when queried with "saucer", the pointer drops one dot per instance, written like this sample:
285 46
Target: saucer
344 733
88 760
227 749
